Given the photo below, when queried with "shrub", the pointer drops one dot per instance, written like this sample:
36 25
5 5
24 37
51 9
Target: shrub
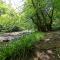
15 28
10 28
1 28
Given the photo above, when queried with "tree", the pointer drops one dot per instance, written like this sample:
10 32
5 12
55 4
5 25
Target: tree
41 13
8 17
2 8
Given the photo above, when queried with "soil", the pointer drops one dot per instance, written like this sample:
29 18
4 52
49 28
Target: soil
47 49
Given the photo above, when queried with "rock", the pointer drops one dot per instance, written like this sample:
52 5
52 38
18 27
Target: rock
13 35
49 52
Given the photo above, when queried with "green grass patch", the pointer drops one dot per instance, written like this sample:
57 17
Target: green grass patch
20 48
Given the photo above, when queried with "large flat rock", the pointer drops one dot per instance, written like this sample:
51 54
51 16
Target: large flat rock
13 35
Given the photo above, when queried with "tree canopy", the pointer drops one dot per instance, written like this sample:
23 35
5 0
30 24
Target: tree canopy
41 13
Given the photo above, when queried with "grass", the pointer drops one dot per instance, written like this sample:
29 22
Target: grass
20 48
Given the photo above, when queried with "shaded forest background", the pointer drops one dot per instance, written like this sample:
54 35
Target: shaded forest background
31 15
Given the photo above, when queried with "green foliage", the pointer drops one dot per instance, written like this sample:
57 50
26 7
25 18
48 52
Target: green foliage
36 7
3 8
20 47
41 13
11 20
56 21
1 28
